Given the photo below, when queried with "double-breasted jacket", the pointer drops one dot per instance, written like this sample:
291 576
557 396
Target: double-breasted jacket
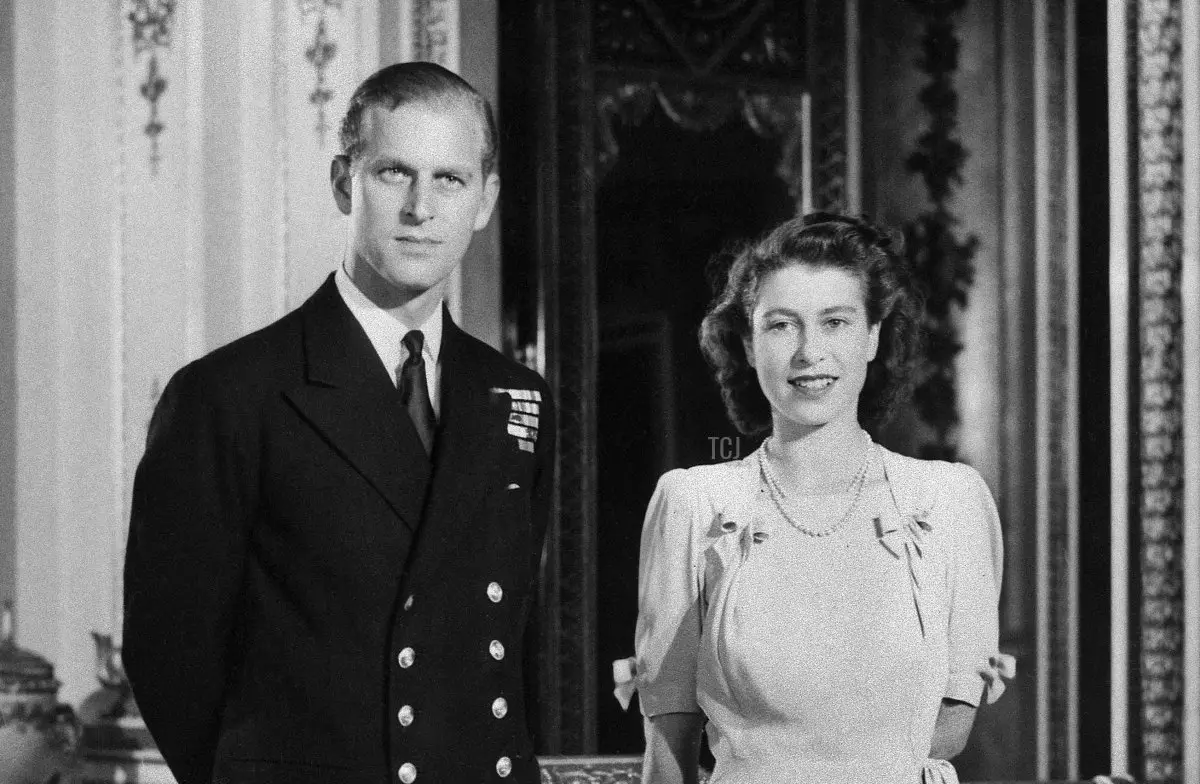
312 598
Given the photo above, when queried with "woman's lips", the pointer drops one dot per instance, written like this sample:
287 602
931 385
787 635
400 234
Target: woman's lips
812 385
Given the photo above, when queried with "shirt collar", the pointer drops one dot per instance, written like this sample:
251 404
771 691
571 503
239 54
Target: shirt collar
384 328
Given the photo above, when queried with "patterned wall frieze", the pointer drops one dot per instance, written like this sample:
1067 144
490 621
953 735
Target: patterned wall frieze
151 24
320 53
1159 112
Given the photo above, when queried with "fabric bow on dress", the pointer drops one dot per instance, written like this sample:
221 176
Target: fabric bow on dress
625 680
729 534
938 771
905 540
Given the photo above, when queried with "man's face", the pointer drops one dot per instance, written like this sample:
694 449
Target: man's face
416 194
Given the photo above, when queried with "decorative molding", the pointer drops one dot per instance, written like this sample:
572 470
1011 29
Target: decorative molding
1121 167
853 110
1160 152
320 53
770 115
702 65
706 38
826 35
435 36
151 23
940 259
596 770
1190 300
1056 380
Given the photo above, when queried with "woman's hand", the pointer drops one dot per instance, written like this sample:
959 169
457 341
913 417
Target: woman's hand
673 748
952 730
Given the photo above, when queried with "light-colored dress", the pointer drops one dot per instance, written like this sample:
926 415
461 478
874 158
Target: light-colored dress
819 658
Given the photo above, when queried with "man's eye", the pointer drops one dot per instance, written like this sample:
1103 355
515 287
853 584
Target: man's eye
393 173
836 323
453 181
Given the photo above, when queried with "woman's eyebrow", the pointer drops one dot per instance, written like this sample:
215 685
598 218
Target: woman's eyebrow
840 309
832 309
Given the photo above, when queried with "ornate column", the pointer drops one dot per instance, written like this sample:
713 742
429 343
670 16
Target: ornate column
1156 360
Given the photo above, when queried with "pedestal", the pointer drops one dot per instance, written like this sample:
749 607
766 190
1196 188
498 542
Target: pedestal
120 751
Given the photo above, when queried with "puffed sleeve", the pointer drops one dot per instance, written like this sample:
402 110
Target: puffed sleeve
977 559
669 599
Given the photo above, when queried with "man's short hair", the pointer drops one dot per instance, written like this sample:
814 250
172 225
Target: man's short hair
416 82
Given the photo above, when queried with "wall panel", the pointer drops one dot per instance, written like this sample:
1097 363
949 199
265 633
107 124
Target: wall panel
8 310
323 61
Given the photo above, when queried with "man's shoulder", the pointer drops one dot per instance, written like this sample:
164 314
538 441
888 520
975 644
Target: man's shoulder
243 368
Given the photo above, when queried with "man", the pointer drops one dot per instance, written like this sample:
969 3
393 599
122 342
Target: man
338 519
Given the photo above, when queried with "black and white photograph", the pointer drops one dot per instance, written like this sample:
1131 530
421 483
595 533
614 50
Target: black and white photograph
599 391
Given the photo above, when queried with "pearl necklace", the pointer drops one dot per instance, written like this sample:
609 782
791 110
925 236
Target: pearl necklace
775 490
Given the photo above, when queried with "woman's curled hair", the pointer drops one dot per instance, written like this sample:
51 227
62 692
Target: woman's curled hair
820 240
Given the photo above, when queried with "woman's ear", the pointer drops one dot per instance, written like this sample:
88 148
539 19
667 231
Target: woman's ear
748 346
873 337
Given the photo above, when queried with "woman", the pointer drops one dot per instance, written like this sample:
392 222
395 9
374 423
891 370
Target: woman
829 606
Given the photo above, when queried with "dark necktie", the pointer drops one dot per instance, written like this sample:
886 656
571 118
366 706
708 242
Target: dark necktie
414 389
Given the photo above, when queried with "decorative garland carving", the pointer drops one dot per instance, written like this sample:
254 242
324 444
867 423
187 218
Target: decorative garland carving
1160 387
596 770
942 261
703 37
432 23
150 25
321 52
690 50
696 109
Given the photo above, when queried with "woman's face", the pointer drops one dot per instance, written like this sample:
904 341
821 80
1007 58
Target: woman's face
810 342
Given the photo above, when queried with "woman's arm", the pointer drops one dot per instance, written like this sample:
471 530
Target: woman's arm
672 748
952 730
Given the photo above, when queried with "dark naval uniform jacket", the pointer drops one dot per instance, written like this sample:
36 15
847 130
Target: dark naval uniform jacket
310 597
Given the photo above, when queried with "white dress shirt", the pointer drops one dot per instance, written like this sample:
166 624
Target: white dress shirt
386 332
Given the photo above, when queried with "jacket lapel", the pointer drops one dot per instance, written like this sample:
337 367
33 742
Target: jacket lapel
468 451
350 400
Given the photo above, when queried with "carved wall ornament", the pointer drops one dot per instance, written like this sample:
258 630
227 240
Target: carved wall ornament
703 64
699 109
703 37
941 259
1160 721
434 23
596 770
151 23
320 53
